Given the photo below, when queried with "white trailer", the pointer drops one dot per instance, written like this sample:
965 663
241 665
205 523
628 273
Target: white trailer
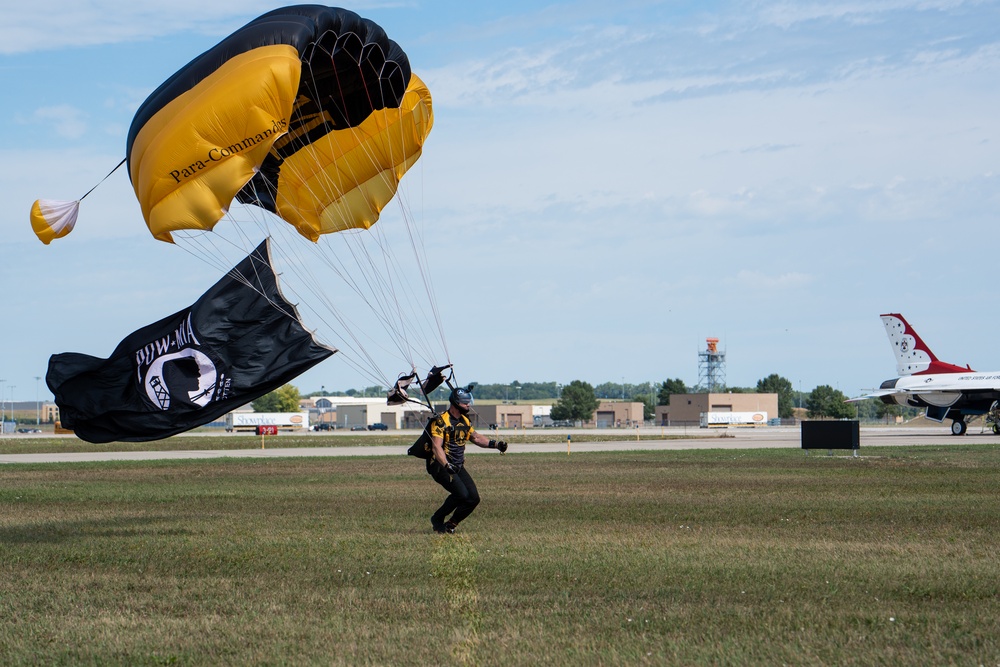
249 421
723 419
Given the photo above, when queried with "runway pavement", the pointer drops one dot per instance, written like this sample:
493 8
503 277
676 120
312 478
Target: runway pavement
674 438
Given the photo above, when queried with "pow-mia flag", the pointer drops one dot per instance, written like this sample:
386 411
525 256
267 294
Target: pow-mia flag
239 341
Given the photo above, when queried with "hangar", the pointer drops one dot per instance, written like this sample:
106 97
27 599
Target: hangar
686 409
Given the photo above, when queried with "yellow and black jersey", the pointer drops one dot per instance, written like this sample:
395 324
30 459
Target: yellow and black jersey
454 433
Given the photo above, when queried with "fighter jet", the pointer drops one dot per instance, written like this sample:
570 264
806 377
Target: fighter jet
944 390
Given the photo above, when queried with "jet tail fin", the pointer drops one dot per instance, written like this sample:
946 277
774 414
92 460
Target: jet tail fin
913 357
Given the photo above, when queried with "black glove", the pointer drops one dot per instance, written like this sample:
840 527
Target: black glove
451 468
502 446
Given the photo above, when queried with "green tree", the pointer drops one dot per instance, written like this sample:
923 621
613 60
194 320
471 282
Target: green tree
888 411
825 401
577 402
675 386
775 384
610 390
867 410
623 391
648 409
508 391
266 403
282 399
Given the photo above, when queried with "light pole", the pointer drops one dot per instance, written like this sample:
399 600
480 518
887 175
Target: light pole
2 414
518 387
38 406
12 388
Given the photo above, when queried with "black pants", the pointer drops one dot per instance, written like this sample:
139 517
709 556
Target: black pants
464 496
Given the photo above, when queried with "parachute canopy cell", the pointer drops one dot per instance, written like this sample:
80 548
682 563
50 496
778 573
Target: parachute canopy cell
309 112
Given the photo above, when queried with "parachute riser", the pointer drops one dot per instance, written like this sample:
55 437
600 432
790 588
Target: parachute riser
435 378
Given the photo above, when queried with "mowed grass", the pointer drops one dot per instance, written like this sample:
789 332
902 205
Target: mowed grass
222 441
714 557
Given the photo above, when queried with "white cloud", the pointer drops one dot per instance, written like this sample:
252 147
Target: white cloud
66 121
752 281
789 14
48 25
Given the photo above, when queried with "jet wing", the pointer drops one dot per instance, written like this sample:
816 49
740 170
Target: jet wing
878 393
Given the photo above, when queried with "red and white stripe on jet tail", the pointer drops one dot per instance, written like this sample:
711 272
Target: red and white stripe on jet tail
913 357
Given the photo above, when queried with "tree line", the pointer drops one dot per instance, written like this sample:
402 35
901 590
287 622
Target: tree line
579 400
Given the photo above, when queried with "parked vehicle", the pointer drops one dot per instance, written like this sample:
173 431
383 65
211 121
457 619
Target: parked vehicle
359 427
378 427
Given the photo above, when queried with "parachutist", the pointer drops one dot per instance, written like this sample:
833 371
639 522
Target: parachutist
449 433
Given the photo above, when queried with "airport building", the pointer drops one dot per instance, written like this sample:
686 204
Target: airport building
348 411
687 409
44 412
503 415
617 414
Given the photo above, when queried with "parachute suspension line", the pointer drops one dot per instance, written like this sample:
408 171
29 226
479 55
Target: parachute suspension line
366 289
369 276
388 284
348 328
420 254
314 286
395 281
210 247
376 283
416 239
418 248
288 249
103 179
201 241
407 301
384 279
196 244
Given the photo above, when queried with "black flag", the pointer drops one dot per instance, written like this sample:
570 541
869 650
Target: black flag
239 341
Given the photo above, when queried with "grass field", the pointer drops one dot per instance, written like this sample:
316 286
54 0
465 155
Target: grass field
714 557
41 444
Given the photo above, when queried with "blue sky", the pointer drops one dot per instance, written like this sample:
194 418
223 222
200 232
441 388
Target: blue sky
610 183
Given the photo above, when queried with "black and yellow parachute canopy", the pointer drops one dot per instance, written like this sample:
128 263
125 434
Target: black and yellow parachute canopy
310 112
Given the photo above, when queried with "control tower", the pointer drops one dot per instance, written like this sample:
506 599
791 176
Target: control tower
712 367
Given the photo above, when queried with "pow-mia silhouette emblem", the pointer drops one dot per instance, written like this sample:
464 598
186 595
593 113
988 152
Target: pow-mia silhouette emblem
184 378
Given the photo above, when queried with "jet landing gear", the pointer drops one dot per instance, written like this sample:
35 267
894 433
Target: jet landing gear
993 418
959 427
